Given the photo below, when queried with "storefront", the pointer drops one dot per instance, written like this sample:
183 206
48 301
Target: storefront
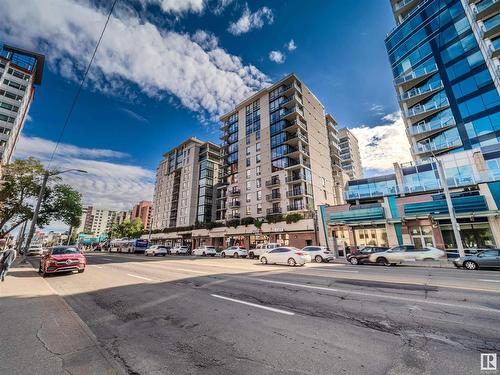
475 234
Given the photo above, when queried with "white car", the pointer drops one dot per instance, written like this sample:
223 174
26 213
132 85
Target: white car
319 253
35 250
205 251
156 250
235 252
397 254
261 249
179 250
285 255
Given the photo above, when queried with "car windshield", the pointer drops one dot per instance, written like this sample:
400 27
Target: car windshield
210 247
64 250
366 250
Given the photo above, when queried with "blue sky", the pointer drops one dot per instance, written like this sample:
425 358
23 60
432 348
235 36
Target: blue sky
167 69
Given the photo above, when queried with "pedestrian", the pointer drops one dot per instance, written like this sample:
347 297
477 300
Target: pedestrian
6 260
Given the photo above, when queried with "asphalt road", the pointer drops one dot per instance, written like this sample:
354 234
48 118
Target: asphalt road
186 315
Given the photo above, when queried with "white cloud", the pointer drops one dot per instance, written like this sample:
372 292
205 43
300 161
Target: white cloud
178 6
107 184
277 57
291 46
382 145
203 76
249 20
134 115
221 6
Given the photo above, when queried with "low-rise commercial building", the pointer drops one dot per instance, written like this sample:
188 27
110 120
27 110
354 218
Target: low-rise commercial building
409 207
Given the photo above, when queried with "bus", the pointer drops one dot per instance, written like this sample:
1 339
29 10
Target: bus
128 246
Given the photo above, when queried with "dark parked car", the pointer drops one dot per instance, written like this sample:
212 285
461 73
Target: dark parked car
483 259
361 256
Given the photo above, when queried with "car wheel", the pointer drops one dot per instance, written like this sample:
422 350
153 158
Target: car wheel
263 260
236 255
223 255
164 254
354 261
292 262
203 254
318 259
81 271
251 255
213 255
470 265
383 261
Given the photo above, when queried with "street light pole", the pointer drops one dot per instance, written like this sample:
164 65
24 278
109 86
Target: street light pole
31 232
451 210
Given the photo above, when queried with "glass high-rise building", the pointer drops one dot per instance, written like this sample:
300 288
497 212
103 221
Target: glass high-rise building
444 56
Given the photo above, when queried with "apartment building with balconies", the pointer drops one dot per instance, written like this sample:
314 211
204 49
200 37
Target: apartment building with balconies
185 185
349 154
278 156
20 72
445 62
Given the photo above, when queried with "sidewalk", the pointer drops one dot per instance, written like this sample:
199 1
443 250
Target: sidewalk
41 334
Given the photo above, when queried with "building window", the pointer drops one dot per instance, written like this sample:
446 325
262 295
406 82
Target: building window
259 208
249 185
248 150
257 170
257 147
257 158
248 162
249 173
258 183
259 195
249 197
249 211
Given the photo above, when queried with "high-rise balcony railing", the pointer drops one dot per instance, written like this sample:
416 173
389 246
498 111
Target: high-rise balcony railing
296 192
287 89
401 4
421 109
294 138
298 163
495 48
427 89
432 126
291 100
274 211
431 147
273 197
233 204
486 8
294 177
288 113
295 125
417 73
233 192
299 207
274 181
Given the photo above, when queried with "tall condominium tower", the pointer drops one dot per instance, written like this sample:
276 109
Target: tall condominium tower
20 72
277 154
444 56
350 157
142 210
185 180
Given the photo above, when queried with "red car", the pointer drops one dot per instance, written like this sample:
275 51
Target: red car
62 259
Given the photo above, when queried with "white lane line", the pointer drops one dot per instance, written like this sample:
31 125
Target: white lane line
107 258
386 296
186 270
139 277
254 305
490 281
96 266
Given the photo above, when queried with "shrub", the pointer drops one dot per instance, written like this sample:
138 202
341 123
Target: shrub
247 221
274 218
293 218
232 223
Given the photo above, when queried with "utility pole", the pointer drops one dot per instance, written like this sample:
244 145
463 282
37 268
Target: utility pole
46 176
20 237
451 210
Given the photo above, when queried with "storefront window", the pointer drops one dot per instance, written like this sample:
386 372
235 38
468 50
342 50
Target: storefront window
422 236
474 235
371 236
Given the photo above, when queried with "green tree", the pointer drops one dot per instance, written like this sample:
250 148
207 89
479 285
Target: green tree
128 229
20 185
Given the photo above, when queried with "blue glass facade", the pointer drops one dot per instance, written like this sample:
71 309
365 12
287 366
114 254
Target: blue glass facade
444 78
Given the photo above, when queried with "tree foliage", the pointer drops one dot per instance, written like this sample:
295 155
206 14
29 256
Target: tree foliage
20 186
128 229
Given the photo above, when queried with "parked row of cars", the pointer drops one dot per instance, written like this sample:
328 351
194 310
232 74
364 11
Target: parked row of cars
267 253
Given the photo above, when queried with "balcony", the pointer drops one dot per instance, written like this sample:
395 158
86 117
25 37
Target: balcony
296 177
297 192
293 139
295 152
299 207
274 181
233 204
426 129
486 8
413 78
232 216
291 101
298 163
295 126
404 6
291 88
233 192
291 113
274 211
273 197
495 48
431 148
415 95
421 111
491 31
